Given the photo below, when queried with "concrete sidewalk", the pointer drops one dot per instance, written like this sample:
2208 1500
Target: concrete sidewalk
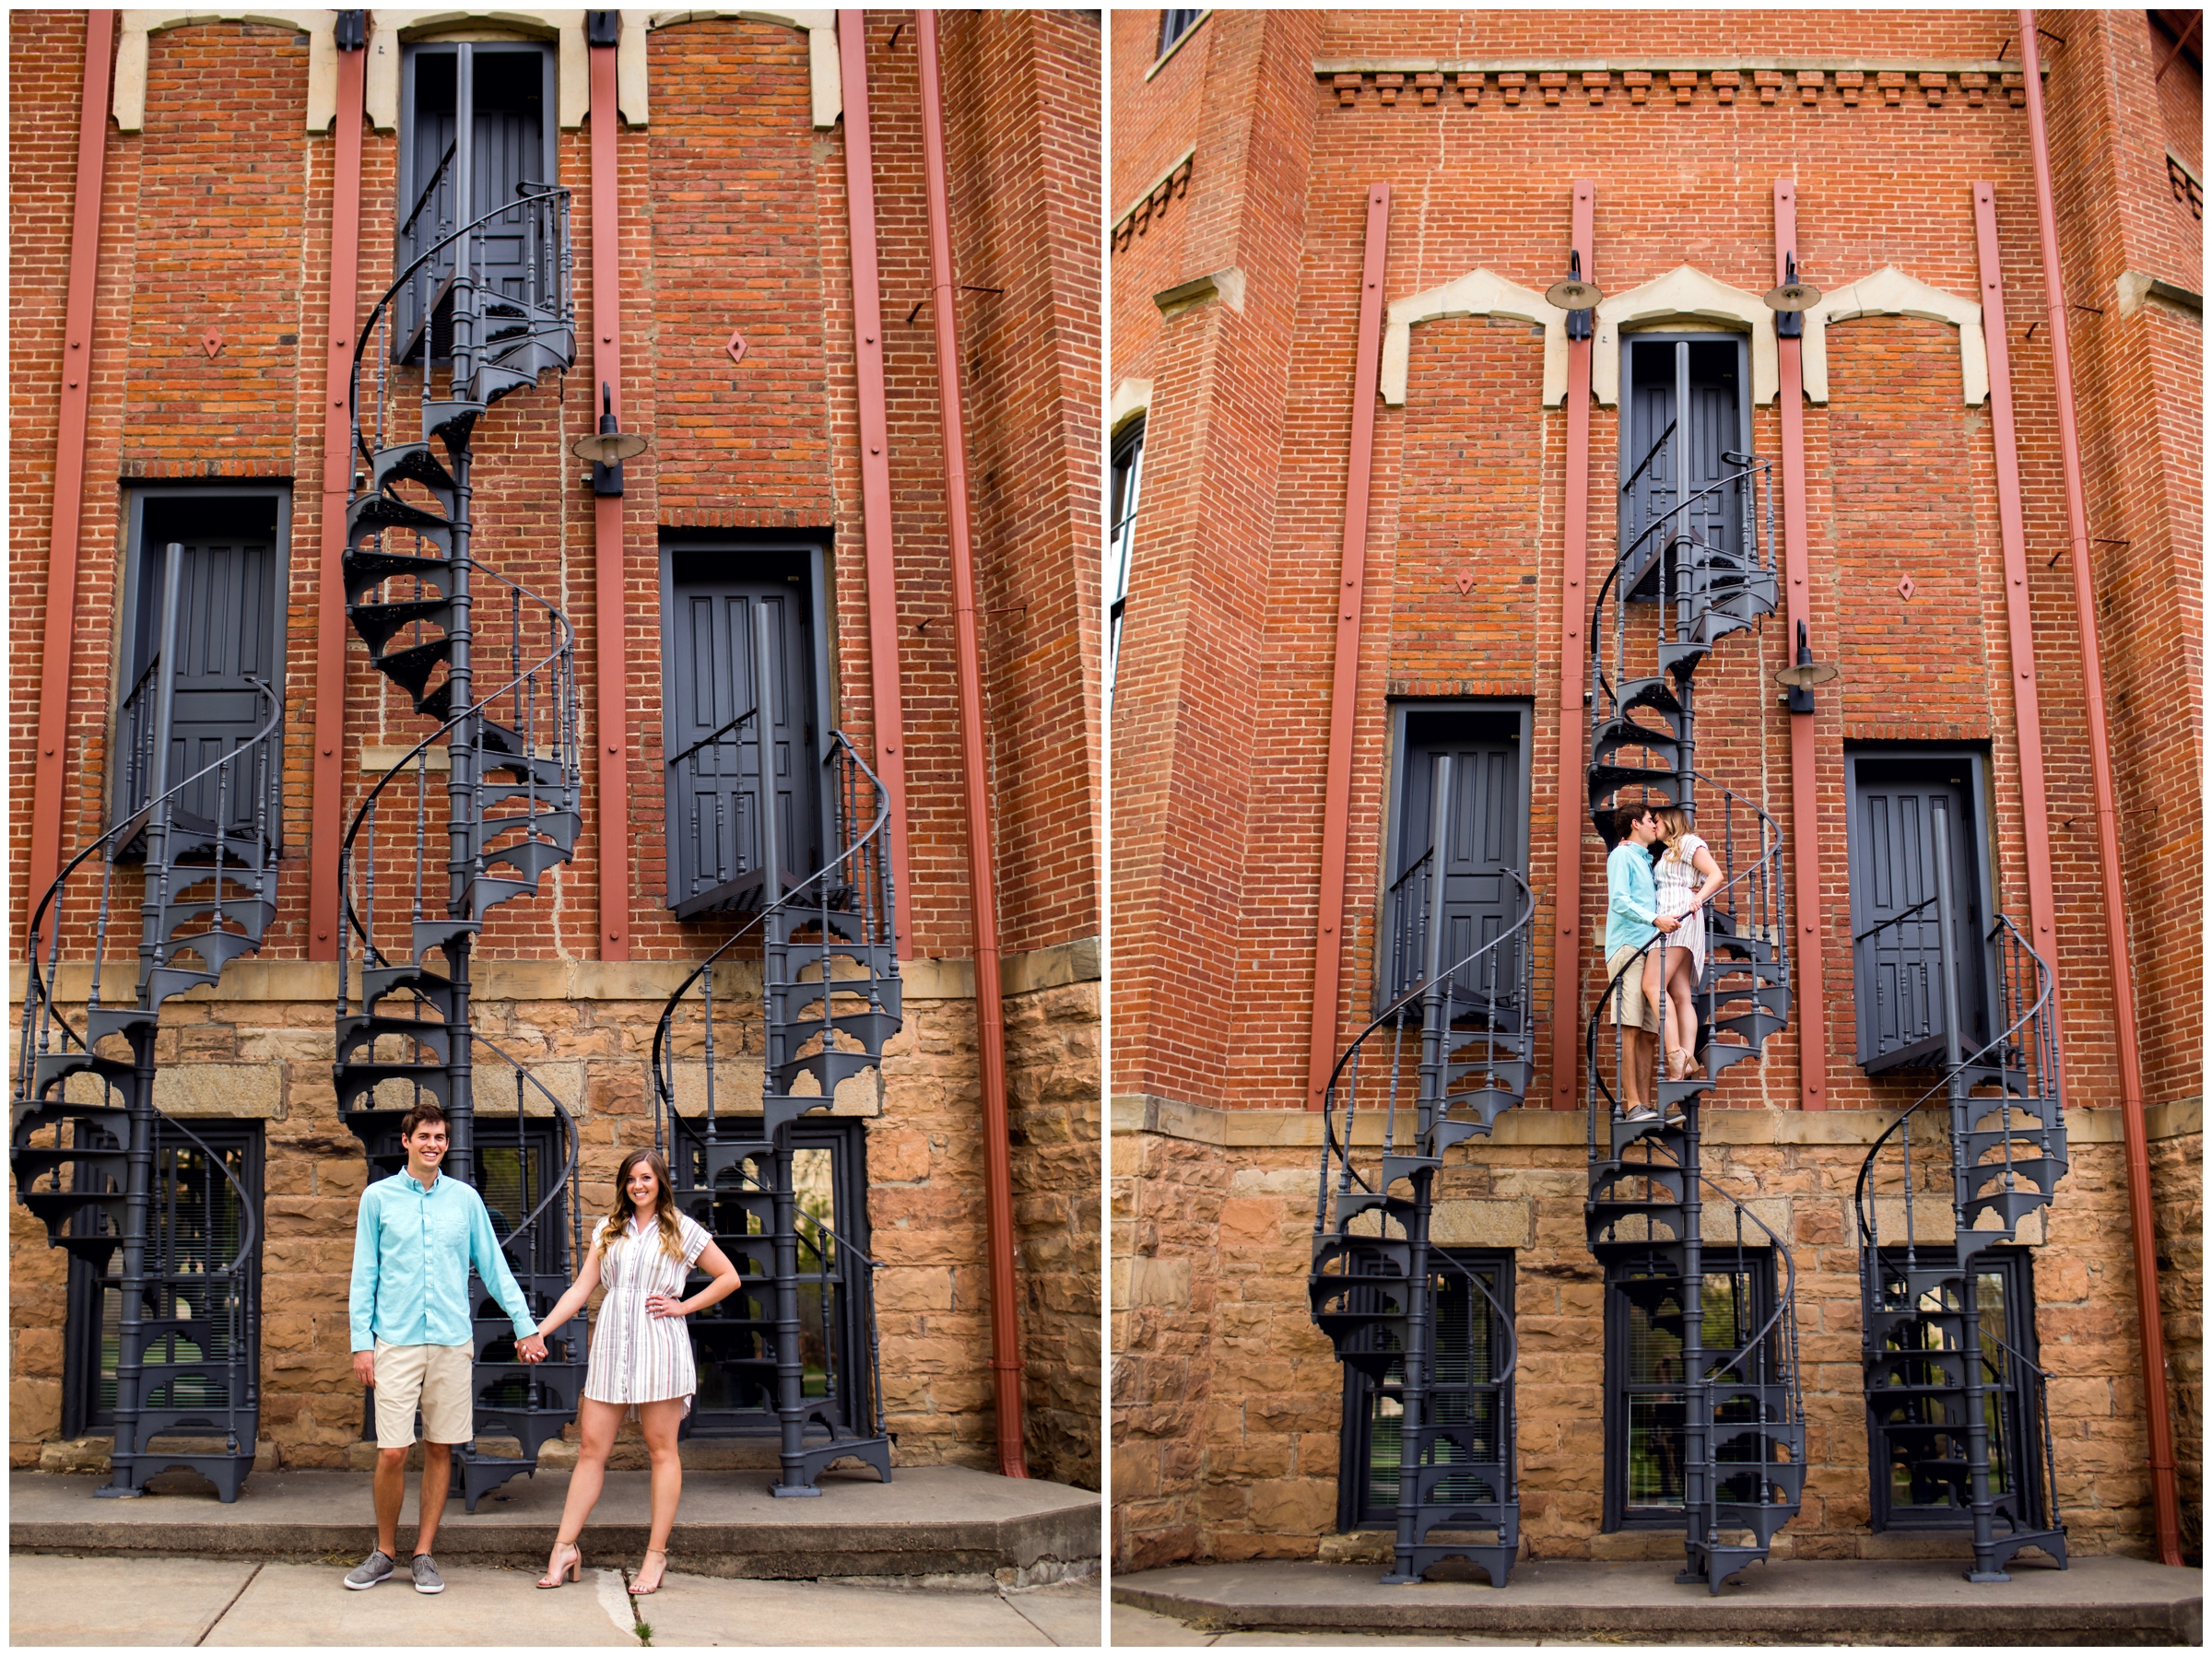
936 1525
2099 1600
173 1601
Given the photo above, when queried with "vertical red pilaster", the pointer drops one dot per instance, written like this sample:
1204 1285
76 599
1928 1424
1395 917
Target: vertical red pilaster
613 722
326 796
2027 717
50 776
875 448
1337 808
1804 799
1574 610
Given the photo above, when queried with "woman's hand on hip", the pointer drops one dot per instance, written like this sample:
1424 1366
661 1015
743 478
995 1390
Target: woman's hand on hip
664 1305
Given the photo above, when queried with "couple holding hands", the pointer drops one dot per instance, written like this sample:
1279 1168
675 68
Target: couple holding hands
417 1235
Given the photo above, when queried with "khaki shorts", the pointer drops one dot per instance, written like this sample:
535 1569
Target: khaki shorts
436 1377
1630 1008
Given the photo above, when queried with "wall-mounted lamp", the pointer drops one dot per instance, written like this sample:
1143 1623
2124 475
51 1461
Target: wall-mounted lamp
1577 297
609 447
1791 300
1801 677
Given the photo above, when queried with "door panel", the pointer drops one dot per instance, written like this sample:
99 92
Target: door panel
227 634
715 843
1684 414
1484 837
1897 964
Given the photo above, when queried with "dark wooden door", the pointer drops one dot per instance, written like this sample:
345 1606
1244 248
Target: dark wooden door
1484 833
505 147
716 852
227 637
1682 416
1897 922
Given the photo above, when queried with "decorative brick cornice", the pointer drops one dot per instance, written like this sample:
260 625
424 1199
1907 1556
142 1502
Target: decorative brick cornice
1472 83
1170 185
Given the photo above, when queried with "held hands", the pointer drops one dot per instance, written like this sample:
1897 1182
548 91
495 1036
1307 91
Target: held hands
364 1367
664 1305
530 1349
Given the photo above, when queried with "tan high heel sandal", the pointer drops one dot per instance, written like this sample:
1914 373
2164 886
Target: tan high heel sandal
638 1590
561 1571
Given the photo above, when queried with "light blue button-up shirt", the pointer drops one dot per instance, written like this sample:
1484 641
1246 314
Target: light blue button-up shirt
1632 897
412 1249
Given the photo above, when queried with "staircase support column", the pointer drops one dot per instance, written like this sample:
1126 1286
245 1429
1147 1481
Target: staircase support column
1419 1306
1697 1390
791 1375
130 1342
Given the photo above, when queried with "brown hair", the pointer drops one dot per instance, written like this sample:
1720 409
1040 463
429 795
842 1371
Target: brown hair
664 1208
421 1115
1674 822
1625 818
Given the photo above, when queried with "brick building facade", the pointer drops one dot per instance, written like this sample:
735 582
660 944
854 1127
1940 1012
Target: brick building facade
1262 162
209 373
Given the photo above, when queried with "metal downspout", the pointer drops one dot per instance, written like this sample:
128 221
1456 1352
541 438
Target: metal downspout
326 819
612 662
875 448
50 776
989 1015
2165 1501
1574 608
1351 603
1804 799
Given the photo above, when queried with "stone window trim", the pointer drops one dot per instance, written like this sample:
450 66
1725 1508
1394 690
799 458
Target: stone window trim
1175 45
1685 294
380 92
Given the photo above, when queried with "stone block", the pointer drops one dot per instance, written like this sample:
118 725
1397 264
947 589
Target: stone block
1292 1506
221 1090
1469 1223
1151 1281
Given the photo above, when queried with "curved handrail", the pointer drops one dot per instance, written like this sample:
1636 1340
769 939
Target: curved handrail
1397 1006
1785 1303
1868 1233
1629 551
554 1187
368 328
664 1083
35 985
236 1273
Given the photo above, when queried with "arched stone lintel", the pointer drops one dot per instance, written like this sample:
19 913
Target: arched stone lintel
1132 399
389 29
128 99
1688 293
1890 292
825 78
1478 293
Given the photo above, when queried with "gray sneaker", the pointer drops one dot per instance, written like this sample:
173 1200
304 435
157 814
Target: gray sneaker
375 1568
427 1579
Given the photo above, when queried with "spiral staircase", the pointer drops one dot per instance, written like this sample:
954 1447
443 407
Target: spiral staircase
489 667
1671 599
1450 1051
87 1132
829 999
1929 1206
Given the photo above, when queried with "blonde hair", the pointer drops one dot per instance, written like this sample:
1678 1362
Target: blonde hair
664 1208
1674 822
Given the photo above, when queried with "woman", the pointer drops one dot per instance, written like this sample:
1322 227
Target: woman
641 1358
1687 877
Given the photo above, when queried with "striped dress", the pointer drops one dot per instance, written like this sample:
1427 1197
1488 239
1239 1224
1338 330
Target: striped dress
636 1356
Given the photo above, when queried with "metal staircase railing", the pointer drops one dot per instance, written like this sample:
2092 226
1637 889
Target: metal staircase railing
512 799
1450 1051
2000 1157
188 1345
830 1001
1743 1454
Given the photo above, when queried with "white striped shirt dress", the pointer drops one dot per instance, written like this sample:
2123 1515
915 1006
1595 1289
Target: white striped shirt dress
636 1356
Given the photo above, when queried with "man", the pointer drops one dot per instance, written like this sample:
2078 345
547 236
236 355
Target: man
1632 919
413 1339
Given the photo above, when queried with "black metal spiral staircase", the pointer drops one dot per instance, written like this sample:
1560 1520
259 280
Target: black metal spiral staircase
1742 1453
1450 1051
829 999
86 1131
510 809
1933 1366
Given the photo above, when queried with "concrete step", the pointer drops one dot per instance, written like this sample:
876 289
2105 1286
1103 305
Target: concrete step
949 1524
2109 1601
